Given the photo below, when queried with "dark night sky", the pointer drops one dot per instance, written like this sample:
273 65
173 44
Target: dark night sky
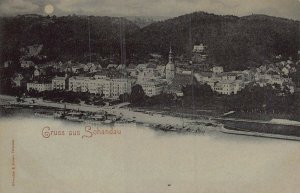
165 8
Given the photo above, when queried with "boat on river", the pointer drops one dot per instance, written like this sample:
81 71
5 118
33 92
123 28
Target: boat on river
43 114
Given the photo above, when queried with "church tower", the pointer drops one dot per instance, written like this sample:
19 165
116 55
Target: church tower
170 67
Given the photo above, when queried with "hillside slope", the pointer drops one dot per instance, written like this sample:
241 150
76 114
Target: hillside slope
234 42
63 37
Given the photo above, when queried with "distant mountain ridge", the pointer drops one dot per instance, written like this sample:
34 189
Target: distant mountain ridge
143 21
234 42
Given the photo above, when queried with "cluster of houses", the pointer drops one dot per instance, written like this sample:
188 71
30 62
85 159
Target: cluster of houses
226 83
111 81
111 87
154 78
229 83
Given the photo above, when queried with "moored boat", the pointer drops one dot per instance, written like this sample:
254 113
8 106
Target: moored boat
43 114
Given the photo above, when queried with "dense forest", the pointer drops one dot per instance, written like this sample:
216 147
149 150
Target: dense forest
234 42
63 38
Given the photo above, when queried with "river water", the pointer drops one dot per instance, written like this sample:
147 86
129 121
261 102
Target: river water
139 159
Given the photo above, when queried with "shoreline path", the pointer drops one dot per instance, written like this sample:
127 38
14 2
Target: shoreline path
119 110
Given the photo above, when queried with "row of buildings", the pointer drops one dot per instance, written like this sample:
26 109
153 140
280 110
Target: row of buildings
115 80
112 81
232 82
110 87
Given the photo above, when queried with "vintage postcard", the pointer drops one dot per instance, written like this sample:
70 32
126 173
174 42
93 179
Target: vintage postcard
157 96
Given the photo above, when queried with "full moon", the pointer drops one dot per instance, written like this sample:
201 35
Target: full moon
49 9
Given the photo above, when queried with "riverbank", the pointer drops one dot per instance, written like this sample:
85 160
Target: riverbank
157 120
154 120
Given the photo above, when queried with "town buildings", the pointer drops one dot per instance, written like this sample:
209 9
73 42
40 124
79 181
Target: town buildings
79 84
60 83
111 87
228 87
27 64
199 53
155 78
178 82
153 87
90 67
226 83
39 86
38 72
147 72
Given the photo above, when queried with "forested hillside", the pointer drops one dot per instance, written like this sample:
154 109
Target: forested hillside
63 37
234 42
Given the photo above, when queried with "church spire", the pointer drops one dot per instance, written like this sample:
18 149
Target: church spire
170 52
171 57
170 67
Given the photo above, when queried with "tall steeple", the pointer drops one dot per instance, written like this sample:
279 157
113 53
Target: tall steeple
170 67
171 57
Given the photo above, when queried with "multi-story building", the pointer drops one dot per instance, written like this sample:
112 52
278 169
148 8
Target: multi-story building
229 76
225 87
153 87
79 83
99 86
148 72
224 83
39 86
118 86
199 53
199 48
60 83
111 87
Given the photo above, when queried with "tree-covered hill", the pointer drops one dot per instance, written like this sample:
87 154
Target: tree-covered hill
63 37
234 42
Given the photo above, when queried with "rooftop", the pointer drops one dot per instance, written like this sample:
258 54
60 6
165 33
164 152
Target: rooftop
179 81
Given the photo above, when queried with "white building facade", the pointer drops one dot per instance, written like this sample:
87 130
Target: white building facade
59 83
40 87
110 87
153 87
